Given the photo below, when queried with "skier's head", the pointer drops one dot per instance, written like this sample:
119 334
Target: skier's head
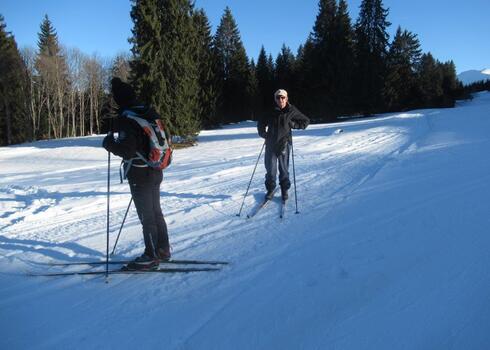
281 98
123 93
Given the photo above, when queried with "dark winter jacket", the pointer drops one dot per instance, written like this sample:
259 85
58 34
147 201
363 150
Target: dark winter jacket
131 139
279 125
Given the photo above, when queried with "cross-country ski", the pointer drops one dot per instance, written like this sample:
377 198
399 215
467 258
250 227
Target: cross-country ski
126 272
264 204
124 262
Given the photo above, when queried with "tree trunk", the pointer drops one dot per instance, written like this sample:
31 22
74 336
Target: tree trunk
91 111
48 106
97 120
82 113
73 112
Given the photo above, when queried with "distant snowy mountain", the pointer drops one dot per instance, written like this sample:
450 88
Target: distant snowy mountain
471 76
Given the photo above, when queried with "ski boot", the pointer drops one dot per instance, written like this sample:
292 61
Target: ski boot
143 263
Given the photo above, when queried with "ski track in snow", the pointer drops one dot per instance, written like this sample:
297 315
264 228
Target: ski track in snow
388 250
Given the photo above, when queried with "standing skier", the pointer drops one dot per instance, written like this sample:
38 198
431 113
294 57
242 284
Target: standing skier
278 141
144 181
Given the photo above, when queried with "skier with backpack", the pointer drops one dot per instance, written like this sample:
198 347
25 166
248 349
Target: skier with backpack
276 130
145 149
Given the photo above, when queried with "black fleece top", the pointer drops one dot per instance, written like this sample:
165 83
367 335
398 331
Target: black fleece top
279 124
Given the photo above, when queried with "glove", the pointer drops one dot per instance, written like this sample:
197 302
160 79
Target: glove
108 142
298 125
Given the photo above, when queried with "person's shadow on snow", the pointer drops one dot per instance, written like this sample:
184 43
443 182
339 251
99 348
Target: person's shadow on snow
49 249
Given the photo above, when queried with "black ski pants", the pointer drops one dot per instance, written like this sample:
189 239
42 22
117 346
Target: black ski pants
146 196
275 162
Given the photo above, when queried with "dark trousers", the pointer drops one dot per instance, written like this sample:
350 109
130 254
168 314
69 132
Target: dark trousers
274 162
146 197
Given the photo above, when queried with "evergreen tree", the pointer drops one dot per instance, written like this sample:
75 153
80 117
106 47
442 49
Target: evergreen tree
285 70
48 48
14 124
270 64
264 73
233 71
299 72
328 62
53 80
343 61
477 86
451 87
165 69
48 44
371 50
207 67
402 62
252 90
307 84
429 81
323 39
272 69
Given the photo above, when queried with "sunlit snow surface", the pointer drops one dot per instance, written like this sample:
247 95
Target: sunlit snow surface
391 249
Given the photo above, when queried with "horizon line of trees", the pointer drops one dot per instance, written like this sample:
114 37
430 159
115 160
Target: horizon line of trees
196 80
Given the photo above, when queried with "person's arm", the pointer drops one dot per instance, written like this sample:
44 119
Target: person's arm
125 145
261 125
299 120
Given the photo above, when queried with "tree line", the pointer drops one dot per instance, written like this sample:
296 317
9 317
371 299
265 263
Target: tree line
51 92
196 79
477 86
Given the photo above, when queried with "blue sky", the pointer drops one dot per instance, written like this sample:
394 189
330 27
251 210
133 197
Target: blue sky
450 30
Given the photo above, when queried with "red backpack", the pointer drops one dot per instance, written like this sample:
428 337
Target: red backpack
160 154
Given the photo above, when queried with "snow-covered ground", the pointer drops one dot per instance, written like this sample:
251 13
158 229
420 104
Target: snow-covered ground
390 249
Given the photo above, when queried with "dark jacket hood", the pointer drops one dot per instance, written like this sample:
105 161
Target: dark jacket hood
142 111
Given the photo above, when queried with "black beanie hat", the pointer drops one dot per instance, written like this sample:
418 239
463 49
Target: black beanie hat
123 93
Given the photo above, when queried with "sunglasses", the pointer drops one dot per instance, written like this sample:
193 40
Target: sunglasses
280 97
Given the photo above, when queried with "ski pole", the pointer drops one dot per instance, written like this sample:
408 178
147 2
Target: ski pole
122 224
294 175
108 213
253 173
108 205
